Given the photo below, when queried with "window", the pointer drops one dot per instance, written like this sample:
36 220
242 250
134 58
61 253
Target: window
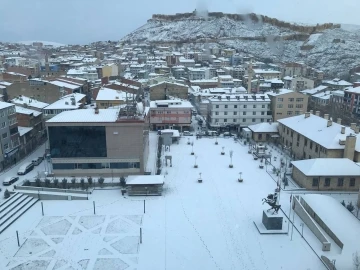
352 182
254 106
263 106
315 182
290 106
244 120
279 106
262 120
244 113
305 143
254 113
253 120
340 182
4 135
262 113
217 106
311 145
235 113
245 106
280 99
225 120
2 114
327 182
297 144
299 100
3 124
216 113
234 120
235 106
299 106
225 113
291 99
316 148
226 106
289 113
6 146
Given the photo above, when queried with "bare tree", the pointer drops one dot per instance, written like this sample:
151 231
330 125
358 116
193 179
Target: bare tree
356 261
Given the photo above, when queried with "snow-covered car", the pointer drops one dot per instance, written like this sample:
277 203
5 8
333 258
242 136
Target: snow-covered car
201 133
228 134
10 180
187 133
37 161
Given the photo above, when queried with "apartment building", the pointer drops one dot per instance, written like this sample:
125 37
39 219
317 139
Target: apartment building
9 134
166 114
287 103
308 136
121 139
267 73
164 90
293 69
107 97
322 99
226 81
198 73
238 111
352 100
337 100
66 103
298 83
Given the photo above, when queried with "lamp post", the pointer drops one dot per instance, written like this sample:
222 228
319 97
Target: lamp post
240 179
231 155
195 165
192 148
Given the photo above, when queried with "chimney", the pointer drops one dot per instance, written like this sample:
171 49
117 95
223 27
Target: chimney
353 126
339 121
357 130
349 150
96 110
326 116
317 113
329 123
342 130
307 114
311 111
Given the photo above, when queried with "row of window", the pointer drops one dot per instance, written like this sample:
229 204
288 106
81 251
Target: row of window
327 182
299 106
291 99
289 113
10 111
236 106
96 166
244 113
236 120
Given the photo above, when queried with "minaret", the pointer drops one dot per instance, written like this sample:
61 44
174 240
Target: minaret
47 67
250 72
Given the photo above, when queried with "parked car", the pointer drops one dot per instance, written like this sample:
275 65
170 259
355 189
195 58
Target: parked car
187 133
228 134
37 161
201 133
212 133
10 180
25 168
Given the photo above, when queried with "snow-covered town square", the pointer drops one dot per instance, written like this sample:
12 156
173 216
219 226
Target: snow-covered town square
210 224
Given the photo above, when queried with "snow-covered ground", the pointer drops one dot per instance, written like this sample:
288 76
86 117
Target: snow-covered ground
207 225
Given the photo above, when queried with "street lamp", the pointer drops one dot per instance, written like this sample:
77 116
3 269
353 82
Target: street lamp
195 165
231 155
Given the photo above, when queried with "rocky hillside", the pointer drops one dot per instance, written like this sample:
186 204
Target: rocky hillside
329 47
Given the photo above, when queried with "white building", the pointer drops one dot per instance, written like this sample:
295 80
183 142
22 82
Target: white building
298 83
198 73
238 110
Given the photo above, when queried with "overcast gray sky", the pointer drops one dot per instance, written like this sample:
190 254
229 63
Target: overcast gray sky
84 21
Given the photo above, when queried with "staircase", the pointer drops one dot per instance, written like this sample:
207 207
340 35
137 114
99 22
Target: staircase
13 208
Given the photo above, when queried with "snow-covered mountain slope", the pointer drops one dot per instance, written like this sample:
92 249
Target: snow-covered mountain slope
329 47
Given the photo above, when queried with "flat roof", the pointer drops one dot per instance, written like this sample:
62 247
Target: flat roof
327 167
145 180
111 94
86 116
29 101
27 111
264 127
341 222
4 105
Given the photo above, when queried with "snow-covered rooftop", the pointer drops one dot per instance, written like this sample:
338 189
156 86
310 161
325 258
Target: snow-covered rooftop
24 130
86 116
4 105
327 167
23 110
30 102
65 84
315 90
111 94
355 90
279 92
264 127
145 180
66 102
315 128
341 222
